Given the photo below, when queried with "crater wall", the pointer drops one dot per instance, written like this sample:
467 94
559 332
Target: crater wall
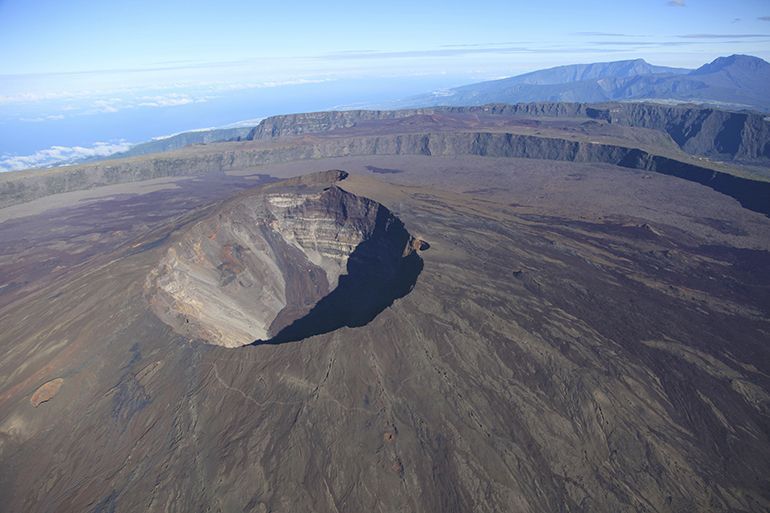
265 259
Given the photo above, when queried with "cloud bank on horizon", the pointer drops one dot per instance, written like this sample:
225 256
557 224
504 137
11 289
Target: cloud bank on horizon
60 155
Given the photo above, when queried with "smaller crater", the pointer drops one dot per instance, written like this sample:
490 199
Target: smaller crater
383 170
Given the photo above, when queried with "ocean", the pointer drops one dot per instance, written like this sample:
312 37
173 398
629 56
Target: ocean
63 130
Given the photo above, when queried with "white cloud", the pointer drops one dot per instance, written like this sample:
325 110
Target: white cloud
108 105
41 119
171 100
32 97
677 3
59 155
158 95
159 101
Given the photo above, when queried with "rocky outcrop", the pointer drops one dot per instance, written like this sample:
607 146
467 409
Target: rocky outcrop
265 260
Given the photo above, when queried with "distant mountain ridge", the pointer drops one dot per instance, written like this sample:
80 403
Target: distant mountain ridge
736 81
594 71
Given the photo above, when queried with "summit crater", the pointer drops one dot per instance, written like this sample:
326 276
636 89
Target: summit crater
262 266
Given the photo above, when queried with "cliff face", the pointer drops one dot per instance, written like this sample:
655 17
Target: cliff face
264 260
709 132
698 131
319 122
752 194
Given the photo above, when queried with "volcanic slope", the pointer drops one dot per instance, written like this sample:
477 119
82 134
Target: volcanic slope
579 337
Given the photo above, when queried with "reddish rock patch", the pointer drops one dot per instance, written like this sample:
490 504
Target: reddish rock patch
46 392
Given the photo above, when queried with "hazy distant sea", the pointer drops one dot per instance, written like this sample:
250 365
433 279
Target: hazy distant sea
55 131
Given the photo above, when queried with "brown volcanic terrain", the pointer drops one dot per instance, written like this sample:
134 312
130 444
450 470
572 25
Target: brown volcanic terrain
579 336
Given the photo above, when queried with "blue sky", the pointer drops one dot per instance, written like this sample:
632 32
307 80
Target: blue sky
63 59
145 43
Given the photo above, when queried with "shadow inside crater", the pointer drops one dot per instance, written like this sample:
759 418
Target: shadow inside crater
377 275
